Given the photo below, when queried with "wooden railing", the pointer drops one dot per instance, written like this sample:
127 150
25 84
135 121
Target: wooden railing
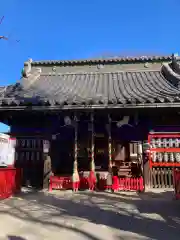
161 177
177 183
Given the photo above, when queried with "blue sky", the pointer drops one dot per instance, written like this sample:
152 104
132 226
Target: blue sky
73 29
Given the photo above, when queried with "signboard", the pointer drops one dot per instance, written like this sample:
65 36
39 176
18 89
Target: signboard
7 150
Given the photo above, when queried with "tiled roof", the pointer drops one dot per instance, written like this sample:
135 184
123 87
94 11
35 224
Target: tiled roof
103 60
95 89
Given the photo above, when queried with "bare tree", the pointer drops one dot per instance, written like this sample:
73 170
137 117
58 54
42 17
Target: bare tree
2 36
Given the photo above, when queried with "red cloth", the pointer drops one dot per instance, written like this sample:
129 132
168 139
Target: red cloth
75 185
115 185
92 180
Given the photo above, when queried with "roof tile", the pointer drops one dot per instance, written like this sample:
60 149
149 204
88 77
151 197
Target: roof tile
103 60
95 89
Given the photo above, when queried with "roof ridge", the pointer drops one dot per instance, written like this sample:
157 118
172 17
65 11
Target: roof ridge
103 60
109 72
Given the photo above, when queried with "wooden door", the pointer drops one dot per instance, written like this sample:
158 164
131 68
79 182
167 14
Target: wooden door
29 157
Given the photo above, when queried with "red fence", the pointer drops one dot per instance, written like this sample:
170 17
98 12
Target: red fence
60 182
121 184
10 182
131 184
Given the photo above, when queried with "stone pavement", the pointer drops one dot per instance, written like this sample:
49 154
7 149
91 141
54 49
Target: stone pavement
86 215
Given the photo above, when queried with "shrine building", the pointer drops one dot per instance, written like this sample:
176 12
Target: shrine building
96 110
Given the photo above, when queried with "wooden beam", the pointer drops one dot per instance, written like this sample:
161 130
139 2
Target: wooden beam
91 107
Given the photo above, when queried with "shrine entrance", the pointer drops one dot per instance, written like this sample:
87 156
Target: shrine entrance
95 139
101 141
62 152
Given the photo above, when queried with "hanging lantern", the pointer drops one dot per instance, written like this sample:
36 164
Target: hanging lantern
160 157
170 142
154 156
158 142
177 157
164 142
166 157
171 157
177 143
153 143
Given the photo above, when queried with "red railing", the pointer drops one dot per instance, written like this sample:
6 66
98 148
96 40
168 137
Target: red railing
84 183
10 182
120 184
131 184
60 182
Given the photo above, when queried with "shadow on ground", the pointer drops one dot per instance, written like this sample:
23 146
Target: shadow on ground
15 238
151 215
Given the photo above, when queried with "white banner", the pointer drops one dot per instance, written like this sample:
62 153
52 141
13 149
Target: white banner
7 151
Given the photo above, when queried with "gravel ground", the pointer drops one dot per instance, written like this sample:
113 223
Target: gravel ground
86 215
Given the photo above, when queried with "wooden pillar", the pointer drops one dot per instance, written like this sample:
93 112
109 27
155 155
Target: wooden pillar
75 176
147 165
47 171
147 176
109 143
147 171
92 174
75 141
92 167
109 175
